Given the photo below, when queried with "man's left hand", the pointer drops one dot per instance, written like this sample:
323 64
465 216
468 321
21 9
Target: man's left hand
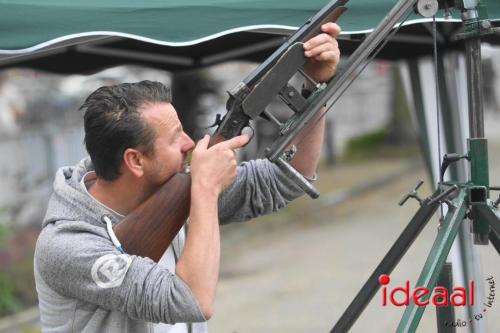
323 53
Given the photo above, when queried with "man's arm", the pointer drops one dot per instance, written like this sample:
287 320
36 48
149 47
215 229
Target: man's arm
260 186
76 259
212 170
324 55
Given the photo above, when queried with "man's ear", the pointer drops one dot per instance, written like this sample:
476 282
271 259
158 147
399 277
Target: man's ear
133 161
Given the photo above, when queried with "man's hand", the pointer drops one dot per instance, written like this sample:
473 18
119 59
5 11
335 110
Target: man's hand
323 56
214 168
323 53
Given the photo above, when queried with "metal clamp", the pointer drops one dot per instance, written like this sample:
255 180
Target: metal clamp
444 196
412 194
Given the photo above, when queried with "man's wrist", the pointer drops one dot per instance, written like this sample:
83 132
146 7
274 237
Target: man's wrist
205 192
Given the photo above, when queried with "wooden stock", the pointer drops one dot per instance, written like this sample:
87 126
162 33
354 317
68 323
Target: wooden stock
151 227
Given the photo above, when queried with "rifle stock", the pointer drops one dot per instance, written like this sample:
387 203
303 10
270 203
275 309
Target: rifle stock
149 229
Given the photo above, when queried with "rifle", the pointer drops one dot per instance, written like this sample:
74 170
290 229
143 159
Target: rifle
150 228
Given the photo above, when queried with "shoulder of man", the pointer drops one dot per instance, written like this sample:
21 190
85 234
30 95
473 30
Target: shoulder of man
78 260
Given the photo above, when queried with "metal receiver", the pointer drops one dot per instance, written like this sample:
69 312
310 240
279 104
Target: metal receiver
249 99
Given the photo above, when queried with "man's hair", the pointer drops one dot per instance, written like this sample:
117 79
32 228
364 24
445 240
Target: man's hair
113 123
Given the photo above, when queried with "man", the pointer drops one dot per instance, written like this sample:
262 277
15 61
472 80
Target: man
136 143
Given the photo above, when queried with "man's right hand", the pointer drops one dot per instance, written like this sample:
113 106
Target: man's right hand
214 168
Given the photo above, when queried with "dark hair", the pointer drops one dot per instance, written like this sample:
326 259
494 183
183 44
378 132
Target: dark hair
113 123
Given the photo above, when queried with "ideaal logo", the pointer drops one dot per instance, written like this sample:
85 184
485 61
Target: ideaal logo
491 297
439 296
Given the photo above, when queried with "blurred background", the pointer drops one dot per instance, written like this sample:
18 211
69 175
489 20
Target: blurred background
293 271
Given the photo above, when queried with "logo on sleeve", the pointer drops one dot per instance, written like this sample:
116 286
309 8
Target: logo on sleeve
109 270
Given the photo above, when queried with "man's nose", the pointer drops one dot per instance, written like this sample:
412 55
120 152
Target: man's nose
188 143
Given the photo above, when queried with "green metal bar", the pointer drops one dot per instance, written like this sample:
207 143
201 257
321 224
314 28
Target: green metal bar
478 154
428 278
491 215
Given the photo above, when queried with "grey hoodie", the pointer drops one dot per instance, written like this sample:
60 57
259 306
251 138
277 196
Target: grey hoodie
85 284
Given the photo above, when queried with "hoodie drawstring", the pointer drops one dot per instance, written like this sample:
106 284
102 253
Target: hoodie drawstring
111 233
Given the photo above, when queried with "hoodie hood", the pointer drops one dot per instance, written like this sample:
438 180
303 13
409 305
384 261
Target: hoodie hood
70 202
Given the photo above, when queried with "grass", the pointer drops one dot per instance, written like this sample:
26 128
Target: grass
376 144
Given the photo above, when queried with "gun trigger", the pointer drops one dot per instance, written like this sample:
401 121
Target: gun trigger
217 122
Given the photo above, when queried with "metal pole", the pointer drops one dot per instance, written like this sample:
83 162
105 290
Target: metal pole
478 149
463 253
420 116
474 73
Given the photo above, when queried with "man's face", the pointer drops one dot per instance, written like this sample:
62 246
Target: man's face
171 143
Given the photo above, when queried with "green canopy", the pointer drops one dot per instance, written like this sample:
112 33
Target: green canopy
187 31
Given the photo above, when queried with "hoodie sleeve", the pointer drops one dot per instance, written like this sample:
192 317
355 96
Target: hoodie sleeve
260 188
77 260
